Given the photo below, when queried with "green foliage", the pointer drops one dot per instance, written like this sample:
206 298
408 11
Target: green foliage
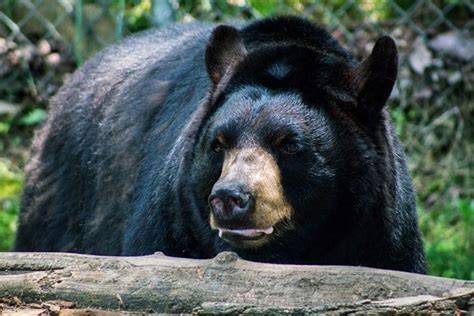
264 7
137 15
449 239
33 118
438 144
10 187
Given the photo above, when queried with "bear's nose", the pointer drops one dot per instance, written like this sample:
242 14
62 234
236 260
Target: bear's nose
227 203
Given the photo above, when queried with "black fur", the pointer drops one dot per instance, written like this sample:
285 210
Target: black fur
123 166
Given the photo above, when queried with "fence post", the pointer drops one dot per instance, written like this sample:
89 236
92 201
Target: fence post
161 12
78 32
119 19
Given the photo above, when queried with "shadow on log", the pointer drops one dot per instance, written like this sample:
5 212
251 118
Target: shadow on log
225 284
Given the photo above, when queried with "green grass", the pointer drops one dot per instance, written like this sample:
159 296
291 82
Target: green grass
449 239
11 181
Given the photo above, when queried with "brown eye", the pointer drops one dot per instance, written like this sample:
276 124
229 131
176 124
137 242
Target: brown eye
286 144
218 143
290 148
217 147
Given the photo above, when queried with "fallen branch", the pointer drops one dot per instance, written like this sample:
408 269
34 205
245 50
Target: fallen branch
225 284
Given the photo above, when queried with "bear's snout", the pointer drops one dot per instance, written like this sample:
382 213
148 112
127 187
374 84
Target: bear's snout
230 203
247 201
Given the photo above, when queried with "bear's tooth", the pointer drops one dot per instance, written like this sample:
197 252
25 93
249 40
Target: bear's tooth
268 230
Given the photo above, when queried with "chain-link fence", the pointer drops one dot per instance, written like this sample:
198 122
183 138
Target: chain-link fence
89 25
78 28
41 41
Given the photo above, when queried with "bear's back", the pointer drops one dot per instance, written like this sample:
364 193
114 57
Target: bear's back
132 98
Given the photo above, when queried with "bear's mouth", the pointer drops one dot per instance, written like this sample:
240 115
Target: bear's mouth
246 234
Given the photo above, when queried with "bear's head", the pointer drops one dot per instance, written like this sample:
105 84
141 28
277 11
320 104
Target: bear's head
291 136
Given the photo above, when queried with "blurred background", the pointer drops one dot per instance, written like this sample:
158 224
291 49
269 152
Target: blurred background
43 41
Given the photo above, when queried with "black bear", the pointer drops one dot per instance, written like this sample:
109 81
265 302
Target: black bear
267 139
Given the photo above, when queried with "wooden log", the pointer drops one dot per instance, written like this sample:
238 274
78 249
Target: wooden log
224 284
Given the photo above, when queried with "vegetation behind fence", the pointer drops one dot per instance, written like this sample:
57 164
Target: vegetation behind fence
42 41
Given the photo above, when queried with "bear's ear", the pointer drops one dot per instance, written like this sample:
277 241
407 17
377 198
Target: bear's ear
224 51
374 77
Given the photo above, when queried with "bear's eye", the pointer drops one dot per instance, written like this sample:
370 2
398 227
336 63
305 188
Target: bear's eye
217 146
290 148
286 143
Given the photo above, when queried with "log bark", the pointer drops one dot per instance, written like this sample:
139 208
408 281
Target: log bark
224 284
